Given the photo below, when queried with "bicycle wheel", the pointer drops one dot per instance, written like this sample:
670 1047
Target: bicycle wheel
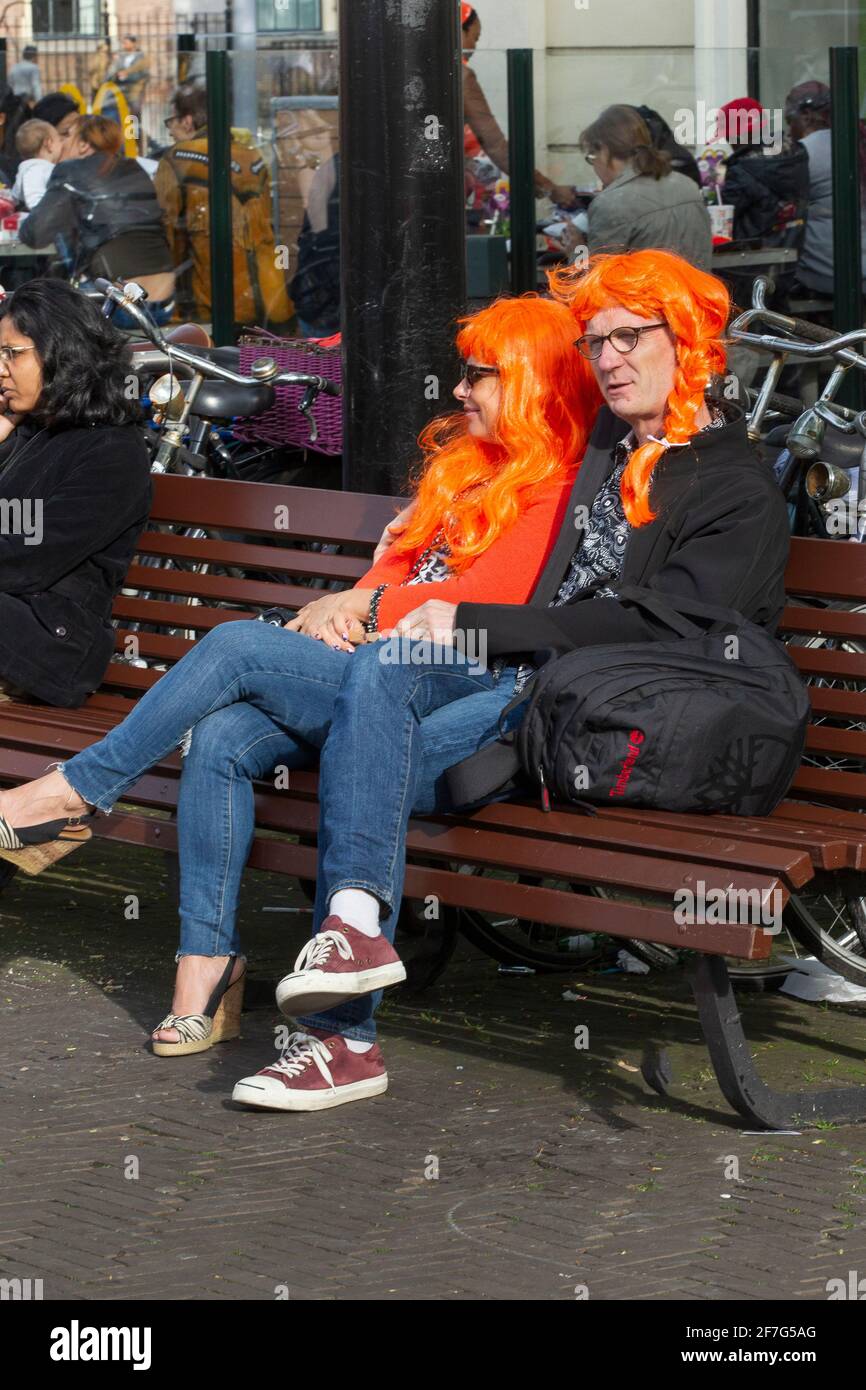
828 916
516 941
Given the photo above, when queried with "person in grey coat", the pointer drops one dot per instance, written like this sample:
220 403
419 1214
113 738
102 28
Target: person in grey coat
643 203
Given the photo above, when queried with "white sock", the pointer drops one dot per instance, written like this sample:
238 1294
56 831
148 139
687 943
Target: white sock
359 909
355 1046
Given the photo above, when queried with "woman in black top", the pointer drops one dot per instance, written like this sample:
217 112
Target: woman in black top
106 207
74 490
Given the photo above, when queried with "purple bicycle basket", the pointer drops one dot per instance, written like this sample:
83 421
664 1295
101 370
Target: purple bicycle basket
284 424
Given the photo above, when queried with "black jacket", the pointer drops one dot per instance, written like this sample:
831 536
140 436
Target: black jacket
92 204
83 496
769 194
720 535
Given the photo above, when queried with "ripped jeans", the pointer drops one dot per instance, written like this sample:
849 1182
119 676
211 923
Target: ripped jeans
258 698
209 694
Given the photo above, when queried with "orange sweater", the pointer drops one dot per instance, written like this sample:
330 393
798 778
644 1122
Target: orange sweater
507 572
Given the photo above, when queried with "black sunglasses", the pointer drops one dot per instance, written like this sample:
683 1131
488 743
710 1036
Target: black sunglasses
472 374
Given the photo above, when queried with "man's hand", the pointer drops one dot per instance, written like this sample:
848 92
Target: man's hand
394 529
434 620
335 619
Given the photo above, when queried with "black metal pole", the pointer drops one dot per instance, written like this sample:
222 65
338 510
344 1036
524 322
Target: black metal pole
220 196
403 272
521 158
847 273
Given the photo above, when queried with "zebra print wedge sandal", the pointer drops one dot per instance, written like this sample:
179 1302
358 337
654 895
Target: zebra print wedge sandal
220 1022
35 847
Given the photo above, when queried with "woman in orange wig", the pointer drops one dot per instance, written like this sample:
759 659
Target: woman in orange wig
490 498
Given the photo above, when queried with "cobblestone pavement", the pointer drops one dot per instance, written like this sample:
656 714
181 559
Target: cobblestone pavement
125 1176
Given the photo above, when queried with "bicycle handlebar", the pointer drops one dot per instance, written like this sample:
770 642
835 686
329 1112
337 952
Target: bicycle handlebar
201 365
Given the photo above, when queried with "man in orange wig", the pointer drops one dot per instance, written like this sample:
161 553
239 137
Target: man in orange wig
669 495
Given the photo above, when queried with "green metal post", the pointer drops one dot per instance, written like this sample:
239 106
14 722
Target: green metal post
847 274
220 196
521 155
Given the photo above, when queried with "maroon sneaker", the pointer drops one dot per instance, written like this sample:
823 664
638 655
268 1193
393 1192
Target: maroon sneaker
314 1074
339 963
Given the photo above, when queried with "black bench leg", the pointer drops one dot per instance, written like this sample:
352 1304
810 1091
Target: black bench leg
731 1057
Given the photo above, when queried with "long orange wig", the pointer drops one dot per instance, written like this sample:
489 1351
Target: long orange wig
474 489
695 305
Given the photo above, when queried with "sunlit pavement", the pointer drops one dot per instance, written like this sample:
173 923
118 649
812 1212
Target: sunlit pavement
503 1162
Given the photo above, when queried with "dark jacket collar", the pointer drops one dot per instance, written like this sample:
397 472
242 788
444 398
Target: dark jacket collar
675 471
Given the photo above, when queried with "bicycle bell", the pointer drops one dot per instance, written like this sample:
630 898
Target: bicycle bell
264 368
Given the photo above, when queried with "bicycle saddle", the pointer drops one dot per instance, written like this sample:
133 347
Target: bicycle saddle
221 400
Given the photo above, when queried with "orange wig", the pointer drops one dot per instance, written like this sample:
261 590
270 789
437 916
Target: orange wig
695 305
474 489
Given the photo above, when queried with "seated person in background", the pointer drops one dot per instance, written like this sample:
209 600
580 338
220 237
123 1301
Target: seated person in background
75 476
768 192
60 111
642 202
808 114
315 289
105 206
39 146
663 138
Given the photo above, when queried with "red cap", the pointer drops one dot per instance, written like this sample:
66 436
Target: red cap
466 13
739 121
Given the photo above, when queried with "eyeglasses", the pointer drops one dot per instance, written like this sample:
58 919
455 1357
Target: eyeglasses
624 339
472 374
170 121
8 354
590 156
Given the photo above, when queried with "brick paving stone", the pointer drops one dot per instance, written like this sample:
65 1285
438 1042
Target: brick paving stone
556 1168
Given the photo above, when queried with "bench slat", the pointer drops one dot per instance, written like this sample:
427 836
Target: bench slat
280 558
316 514
825 622
826 569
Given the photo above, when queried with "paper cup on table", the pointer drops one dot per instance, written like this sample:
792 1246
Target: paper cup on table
722 220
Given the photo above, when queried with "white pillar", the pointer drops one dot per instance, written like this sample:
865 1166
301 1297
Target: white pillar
243 66
721 32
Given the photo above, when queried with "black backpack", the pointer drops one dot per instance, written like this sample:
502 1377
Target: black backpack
714 720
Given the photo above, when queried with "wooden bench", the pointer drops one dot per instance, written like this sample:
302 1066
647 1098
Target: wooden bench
638 859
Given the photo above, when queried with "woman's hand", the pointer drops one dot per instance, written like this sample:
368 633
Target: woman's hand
8 419
394 529
336 619
434 620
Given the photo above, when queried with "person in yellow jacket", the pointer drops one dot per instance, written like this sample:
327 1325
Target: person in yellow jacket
260 293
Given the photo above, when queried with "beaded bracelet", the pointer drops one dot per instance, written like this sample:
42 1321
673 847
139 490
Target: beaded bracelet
372 623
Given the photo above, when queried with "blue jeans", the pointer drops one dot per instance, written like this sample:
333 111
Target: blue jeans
395 731
256 698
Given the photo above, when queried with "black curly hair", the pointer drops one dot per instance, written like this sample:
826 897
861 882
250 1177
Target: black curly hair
86 362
